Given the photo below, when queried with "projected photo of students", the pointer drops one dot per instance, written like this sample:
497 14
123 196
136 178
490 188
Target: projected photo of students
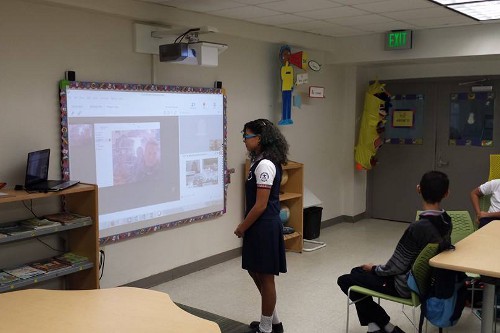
192 173
206 175
136 155
211 170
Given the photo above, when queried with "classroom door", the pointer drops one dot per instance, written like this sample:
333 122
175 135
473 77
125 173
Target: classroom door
452 131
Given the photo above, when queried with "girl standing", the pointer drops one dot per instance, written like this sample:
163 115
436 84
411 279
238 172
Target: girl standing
262 231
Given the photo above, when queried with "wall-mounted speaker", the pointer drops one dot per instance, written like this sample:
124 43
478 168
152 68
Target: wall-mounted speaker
70 76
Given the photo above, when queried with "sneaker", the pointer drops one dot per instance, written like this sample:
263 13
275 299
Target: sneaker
277 328
397 330
256 330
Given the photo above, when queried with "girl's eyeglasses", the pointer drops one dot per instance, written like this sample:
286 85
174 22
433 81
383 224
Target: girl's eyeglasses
249 136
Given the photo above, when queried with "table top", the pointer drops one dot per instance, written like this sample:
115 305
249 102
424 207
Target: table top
477 253
120 309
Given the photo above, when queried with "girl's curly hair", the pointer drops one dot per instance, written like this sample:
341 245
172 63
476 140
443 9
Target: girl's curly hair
273 144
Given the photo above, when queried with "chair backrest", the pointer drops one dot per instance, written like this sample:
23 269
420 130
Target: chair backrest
484 203
462 225
421 269
494 166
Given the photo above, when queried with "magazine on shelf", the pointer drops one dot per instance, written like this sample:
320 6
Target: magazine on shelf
67 218
14 228
49 265
36 223
6 278
24 272
71 258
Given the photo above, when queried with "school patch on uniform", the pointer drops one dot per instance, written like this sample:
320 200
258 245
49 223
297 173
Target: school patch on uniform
264 177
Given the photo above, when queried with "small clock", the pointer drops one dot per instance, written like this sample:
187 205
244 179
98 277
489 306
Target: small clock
314 65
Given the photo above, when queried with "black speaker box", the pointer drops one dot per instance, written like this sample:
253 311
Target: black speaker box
70 76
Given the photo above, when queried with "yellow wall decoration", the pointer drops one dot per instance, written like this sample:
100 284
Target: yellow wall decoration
372 124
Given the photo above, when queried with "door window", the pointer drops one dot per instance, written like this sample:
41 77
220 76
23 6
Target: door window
405 120
471 119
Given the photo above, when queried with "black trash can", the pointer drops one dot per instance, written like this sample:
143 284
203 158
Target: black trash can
312 222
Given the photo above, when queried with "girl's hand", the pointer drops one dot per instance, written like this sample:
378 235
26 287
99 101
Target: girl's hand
238 232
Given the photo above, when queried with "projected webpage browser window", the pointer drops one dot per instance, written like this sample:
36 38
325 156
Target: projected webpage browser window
157 157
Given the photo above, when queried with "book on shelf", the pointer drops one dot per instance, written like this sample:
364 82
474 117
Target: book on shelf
49 265
67 217
24 272
36 223
71 258
2 235
6 278
14 228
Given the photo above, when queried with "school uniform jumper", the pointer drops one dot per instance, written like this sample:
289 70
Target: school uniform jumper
263 244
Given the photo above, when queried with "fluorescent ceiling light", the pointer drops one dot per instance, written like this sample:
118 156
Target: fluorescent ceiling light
481 10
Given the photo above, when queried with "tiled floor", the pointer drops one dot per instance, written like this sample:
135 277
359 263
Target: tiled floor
309 300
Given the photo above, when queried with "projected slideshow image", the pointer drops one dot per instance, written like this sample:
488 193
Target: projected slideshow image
197 176
136 155
156 153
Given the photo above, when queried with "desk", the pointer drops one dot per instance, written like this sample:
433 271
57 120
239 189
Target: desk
99 311
477 253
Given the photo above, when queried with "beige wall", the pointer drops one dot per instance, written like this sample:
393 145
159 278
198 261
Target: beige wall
40 40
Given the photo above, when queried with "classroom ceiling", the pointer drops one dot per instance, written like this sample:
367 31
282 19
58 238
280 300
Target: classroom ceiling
337 18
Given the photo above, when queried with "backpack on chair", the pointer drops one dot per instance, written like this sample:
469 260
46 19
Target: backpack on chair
444 300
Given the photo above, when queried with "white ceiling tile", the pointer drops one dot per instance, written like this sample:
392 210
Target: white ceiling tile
331 17
307 26
336 30
246 12
278 19
354 2
395 5
364 19
294 6
254 2
204 5
382 27
421 13
434 22
332 12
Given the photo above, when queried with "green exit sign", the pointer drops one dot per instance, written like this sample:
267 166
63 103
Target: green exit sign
398 40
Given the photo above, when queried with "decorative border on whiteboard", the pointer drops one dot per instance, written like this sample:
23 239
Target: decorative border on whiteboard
139 87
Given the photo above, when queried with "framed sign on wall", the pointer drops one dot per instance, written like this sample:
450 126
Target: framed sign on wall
316 92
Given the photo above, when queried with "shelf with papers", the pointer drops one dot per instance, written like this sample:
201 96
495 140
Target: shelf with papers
80 237
46 276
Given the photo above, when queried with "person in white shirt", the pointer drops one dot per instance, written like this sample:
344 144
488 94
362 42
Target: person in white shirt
489 188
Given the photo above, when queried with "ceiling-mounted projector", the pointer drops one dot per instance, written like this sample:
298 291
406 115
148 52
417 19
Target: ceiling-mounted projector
178 46
196 53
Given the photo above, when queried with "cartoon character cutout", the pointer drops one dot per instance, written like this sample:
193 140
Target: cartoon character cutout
286 85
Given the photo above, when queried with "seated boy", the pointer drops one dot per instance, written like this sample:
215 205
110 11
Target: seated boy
489 188
434 226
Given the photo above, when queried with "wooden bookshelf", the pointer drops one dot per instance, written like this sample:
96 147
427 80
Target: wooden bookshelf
292 196
81 237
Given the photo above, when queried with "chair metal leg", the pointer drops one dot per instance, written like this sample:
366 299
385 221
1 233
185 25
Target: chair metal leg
414 321
472 288
348 305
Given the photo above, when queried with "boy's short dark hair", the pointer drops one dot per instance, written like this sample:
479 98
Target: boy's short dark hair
434 186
